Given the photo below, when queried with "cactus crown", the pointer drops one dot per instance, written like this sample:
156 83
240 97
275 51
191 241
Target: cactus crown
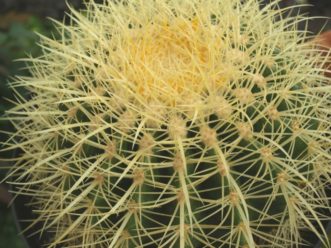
176 124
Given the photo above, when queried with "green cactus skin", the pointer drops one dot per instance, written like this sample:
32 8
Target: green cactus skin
176 124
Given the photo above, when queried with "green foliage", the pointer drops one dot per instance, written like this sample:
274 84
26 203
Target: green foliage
8 232
18 40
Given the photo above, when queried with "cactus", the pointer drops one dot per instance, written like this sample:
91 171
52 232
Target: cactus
176 124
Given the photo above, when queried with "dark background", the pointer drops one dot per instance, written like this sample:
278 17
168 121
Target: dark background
56 8
19 20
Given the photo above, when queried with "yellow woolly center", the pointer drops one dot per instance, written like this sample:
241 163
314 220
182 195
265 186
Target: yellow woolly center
172 59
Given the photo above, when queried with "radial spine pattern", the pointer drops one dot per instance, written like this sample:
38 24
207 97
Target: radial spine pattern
177 123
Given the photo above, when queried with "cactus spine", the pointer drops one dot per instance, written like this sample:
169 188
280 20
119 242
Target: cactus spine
176 124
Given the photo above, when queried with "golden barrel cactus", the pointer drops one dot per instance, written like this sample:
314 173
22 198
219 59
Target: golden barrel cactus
176 124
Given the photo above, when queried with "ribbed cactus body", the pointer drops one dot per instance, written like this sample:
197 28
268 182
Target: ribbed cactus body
176 124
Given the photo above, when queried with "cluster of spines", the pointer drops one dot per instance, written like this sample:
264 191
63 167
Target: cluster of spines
240 166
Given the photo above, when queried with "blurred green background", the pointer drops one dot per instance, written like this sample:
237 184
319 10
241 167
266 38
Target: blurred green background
17 40
19 20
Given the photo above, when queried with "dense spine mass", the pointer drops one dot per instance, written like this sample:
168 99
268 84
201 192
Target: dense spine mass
176 124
